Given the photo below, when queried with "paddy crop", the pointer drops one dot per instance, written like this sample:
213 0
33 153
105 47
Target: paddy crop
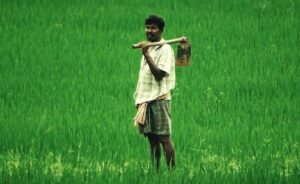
68 75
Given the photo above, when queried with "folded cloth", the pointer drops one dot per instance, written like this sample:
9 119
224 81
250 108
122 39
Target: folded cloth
140 116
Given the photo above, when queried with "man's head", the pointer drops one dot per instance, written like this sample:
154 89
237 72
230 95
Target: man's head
154 26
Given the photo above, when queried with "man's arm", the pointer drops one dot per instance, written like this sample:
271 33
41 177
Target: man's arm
157 73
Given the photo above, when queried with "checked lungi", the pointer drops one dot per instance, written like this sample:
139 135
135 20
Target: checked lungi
158 118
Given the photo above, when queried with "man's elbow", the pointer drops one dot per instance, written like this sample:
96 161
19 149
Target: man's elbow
160 76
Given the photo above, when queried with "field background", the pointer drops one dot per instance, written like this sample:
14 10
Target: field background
68 74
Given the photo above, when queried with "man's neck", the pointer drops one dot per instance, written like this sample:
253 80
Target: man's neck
158 40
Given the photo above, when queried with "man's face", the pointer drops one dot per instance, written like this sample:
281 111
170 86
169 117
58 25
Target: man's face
153 33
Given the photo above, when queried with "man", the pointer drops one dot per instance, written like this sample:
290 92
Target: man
153 93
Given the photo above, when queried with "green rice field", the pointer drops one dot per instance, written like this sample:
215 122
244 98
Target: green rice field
68 74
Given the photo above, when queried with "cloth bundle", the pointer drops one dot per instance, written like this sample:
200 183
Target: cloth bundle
140 116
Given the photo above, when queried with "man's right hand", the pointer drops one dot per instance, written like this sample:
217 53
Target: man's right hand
144 48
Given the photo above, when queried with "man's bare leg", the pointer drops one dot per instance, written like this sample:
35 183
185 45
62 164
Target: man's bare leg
168 150
155 150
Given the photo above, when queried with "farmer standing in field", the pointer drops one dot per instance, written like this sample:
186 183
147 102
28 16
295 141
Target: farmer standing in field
153 93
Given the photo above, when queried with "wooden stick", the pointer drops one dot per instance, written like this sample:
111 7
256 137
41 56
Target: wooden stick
153 44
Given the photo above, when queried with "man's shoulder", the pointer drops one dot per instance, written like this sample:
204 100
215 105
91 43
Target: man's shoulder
166 48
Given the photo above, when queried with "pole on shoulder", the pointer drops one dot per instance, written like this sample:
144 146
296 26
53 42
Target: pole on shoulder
183 50
153 44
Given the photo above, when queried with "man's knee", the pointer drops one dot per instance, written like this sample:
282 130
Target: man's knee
164 139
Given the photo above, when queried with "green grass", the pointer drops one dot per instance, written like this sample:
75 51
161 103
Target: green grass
68 74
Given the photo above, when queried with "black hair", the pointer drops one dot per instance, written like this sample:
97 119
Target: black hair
157 20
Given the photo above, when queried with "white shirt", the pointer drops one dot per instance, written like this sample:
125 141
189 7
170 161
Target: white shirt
148 88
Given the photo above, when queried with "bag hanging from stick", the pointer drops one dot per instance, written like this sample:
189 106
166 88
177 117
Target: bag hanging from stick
183 54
